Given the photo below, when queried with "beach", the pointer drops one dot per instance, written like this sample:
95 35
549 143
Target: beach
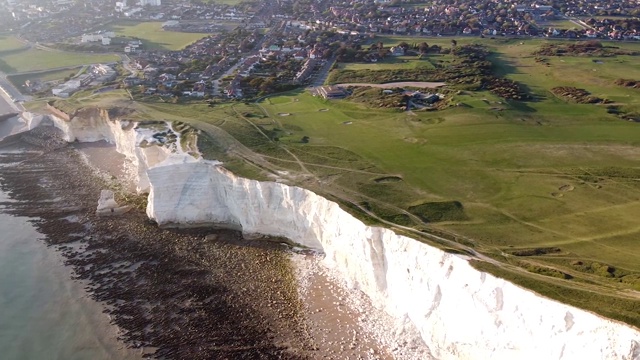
170 293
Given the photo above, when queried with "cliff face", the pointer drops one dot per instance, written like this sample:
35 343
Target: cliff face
91 125
461 313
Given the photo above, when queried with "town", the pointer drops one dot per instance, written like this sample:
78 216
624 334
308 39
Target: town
255 48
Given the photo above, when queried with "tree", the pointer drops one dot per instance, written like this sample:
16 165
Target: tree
424 48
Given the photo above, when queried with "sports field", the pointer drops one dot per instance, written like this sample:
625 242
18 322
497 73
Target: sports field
154 37
35 60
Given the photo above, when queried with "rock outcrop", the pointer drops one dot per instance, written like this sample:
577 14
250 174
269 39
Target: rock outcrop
107 205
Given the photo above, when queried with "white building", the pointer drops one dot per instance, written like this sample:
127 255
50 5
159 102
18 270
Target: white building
150 2
121 6
104 37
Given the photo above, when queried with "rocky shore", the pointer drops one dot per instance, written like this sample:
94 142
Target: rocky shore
181 294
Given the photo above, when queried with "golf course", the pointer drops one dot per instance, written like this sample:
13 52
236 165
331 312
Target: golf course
547 188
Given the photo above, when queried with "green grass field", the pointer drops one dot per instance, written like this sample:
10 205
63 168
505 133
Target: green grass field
154 37
545 173
53 75
34 60
9 43
399 62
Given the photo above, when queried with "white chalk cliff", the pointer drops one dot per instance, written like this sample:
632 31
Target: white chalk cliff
460 312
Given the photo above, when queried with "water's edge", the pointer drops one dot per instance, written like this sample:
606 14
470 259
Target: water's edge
458 311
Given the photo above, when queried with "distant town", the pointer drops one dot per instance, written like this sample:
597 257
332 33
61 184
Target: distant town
254 48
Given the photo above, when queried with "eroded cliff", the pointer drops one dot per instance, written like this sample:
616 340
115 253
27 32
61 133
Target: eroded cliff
461 313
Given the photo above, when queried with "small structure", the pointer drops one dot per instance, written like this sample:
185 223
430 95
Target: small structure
333 92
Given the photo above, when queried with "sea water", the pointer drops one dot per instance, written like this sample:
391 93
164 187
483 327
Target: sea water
44 313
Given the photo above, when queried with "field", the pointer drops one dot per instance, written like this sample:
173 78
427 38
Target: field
529 175
9 43
34 60
399 62
548 187
52 75
154 37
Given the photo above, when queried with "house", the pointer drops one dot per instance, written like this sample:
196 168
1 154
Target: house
332 92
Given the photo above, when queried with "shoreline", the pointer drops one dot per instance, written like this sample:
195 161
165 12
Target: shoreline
268 285
347 331
186 297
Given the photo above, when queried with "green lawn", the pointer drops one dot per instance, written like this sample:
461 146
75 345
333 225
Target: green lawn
32 60
561 24
53 75
9 43
524 172
154 37
398 62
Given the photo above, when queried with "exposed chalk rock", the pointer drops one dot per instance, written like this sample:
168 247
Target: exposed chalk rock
107 205
95 125
461 313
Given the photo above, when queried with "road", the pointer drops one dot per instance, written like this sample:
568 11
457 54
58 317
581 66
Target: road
323 73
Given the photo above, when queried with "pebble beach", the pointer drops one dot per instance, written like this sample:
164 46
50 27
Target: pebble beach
170 293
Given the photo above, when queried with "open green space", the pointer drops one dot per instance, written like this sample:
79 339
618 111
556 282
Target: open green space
153 36
528 175
396 62
548 187
45 76
9 43
36 60
561 24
